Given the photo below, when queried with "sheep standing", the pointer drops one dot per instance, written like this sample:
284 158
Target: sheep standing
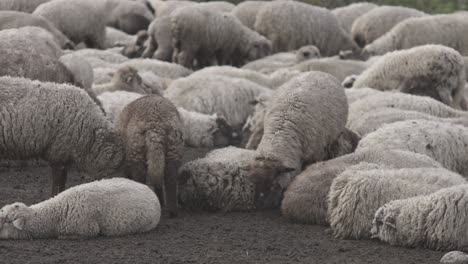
351 213
435 221
152 134
304 117
448 30
431 70
80 21
290 25
207 36
306 198
348 14
247 11
109 207
64 127
378 21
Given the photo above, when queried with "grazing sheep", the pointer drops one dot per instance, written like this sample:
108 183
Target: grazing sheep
444 143
228 97
125 79
247 11
217 182
435 221
80 21
348 14
64 127
430 70
454 257
290 25
128 16
13 19
378 21
305 200
109 207
303 118
336 67
448 30
199 130
151 130
159 45
26 6
351 212
207 36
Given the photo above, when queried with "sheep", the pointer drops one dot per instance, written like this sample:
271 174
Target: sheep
291 25
125 79
26 6
299 127
431 70
454 257
13 19
306 53
338 68
152 84
229 71
151 131
136 48
247 11
226 96
375 23
159 44
165 8
109 207
116 37
207 36
305 200
272 63
160 68
199 130
444 143
435 221
64 127
348 14
354 95
128 16
217 182
351 212
447 30
80 21
104 55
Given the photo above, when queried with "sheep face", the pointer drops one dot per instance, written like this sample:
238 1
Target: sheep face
128 79
259 48
384 224
106 155
307 53
13 220
224 134
266 175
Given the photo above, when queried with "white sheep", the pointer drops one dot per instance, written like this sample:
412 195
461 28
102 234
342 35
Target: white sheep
159 44
116 38
305 200
360 190
431 70
246 12
354 95
124 79
159 68
334 66
229 71
435 221
440 141
348 14
128 16
104 55
303 118
65 127
109 207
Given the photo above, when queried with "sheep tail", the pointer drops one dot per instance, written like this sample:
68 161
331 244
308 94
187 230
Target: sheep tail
155 157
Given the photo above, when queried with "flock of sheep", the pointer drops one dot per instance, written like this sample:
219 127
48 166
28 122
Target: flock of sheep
353 118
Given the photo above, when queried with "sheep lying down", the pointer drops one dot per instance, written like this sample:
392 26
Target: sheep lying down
109 207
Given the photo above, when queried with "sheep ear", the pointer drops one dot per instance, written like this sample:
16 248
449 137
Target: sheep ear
390 221
19 223
284 169
129 79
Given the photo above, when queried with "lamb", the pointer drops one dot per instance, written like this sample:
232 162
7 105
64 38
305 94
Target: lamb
83 137
128 16
151 130
26 6
444 143
454 257
80 21
207 36
336 67
431 70
247 11
199 130
299 127
13 19
217 182
305 200
378 21
125 79
435 221
226 96
159 45
109 207
291 25
448 30
348 14
351 213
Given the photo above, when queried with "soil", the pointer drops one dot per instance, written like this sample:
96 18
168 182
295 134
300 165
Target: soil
194 237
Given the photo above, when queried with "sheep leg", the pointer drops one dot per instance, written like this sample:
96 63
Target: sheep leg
59 178
150 49
156 157
170 185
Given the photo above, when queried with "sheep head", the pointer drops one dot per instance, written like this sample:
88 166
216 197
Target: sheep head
384 224
106 155
269 186
259 48
128 79
224 134
307 52
13 219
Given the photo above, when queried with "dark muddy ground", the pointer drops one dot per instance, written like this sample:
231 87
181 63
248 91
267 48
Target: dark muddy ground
195 237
